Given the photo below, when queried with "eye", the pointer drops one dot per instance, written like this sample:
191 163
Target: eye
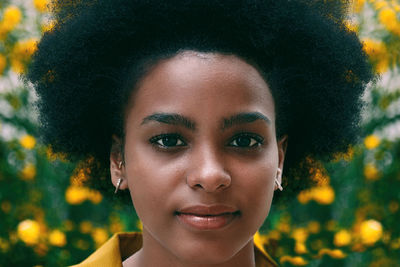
246 140
167 140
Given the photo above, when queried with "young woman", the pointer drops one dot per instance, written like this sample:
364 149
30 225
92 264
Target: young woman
194 109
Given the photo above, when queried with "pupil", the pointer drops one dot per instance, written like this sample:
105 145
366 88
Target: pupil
169 141
243 141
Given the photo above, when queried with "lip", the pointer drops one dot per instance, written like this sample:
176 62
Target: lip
207 217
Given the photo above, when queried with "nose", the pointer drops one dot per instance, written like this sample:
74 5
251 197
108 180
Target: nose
208 172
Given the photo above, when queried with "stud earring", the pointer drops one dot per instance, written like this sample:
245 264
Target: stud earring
118 185
277 181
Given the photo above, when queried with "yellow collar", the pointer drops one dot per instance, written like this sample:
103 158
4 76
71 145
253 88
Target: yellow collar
122 245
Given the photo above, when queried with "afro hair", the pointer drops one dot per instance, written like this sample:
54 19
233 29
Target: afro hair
84 68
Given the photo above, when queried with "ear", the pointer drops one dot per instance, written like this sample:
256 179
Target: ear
282 146
117 166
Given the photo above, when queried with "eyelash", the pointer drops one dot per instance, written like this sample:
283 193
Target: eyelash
256 142
155 140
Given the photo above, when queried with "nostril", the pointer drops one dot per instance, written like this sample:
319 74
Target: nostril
209 183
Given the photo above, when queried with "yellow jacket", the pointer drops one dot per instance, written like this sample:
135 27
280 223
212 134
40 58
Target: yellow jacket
122 245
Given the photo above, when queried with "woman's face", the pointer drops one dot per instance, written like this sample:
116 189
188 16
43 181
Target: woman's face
201 156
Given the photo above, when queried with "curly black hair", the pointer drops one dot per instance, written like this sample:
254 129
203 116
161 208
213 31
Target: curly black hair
84 68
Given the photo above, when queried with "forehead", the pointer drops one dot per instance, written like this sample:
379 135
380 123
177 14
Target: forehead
192 81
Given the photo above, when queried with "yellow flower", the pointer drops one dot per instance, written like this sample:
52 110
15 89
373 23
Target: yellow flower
3 63
27 141
300 248
324 195
57 238
351 26
297 261
274 234
76 194
396 5
371 172
334 253
116 227
51 156
21 53
346 156
304 196
41 5
11 18
300 235
378 54
284 227
380 4
314 227
320 176
387 17
85 227
29 231
358 5
342 238
95 196
49 26
371 141
99 236
28 172
260 240
370 231
79 177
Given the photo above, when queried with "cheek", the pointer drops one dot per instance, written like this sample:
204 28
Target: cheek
259 184
256 182
151 181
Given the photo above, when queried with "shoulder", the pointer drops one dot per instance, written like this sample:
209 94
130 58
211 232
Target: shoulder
114 251
262 258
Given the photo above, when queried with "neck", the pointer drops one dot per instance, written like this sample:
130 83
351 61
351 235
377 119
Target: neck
155 254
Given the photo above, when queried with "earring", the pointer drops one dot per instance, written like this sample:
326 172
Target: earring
277 181
278 184
118 185
120 164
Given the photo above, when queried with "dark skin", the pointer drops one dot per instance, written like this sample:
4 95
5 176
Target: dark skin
200 131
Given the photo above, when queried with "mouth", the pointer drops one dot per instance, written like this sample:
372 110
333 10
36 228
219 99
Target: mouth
205 218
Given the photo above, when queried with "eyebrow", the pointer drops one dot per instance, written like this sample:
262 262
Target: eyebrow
244 117
177 119
171 118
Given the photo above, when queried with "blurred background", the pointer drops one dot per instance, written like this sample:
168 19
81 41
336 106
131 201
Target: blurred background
351 218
